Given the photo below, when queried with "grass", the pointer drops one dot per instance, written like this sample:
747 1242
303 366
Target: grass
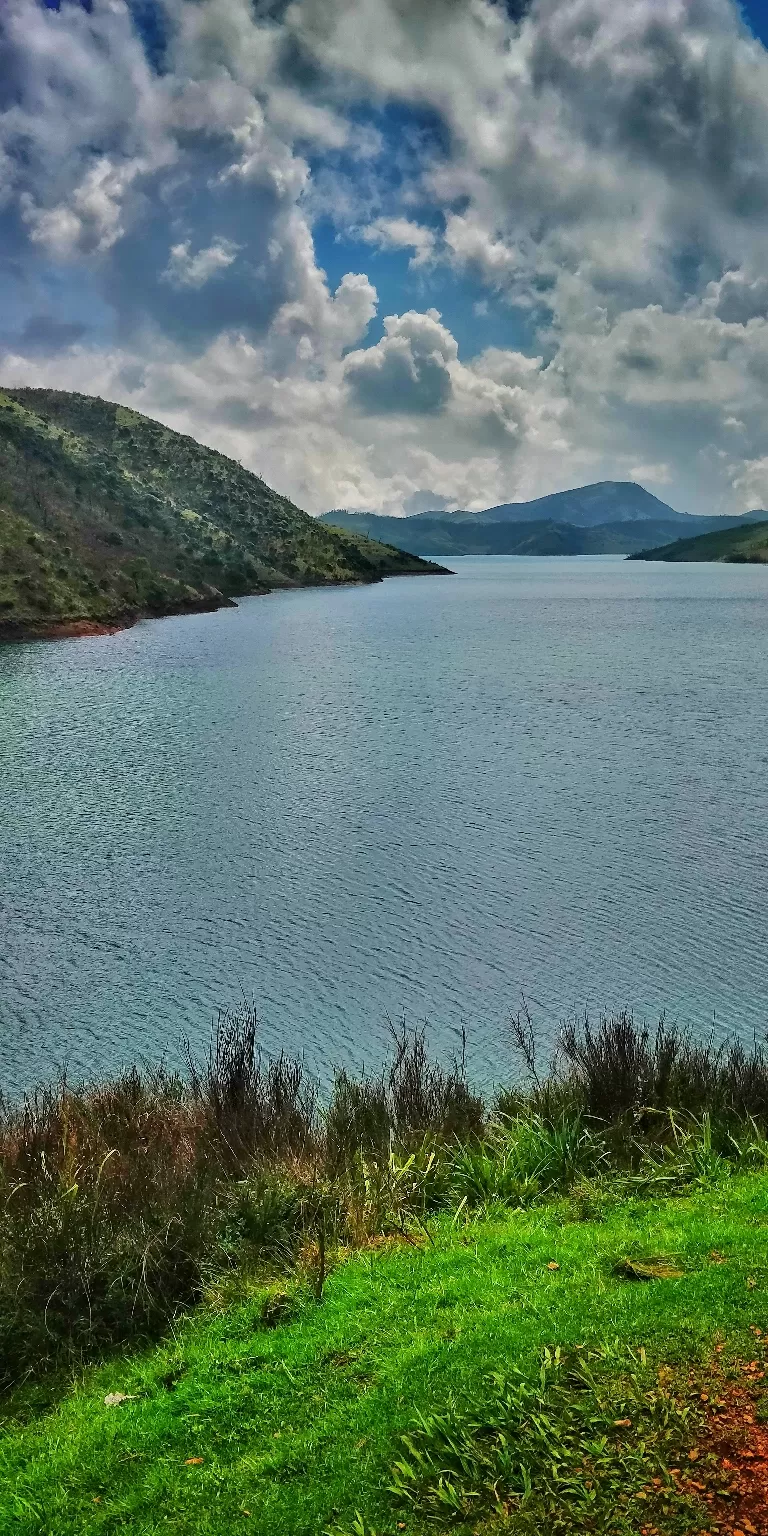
123 1201
228 1302
288 1419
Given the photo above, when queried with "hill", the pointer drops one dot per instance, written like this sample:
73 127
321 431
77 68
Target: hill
587 506
745 545
610 518
107 516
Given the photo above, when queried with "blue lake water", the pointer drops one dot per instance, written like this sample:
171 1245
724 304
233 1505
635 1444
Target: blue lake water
538 776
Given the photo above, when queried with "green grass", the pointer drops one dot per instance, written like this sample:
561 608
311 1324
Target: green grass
301 1424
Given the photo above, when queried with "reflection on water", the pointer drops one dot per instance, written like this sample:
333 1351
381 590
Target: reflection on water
538 775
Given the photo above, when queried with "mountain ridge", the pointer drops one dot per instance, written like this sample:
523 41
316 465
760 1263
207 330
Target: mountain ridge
610 517
107 516
586 506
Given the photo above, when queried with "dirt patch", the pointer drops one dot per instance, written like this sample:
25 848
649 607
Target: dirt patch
78 628
63 629
741 1446
733 1458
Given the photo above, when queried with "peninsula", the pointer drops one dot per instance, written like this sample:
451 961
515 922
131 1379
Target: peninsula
747 545
107 517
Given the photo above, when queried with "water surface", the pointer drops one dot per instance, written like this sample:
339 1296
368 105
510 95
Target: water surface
538 775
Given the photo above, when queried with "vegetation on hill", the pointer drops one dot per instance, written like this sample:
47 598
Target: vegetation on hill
469 533
418 1311
747 545
106 516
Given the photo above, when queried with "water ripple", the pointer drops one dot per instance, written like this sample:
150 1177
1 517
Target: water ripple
542 775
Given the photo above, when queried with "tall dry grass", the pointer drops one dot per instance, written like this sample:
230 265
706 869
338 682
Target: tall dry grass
122 1201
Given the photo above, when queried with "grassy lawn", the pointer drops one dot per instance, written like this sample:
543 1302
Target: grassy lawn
288 1423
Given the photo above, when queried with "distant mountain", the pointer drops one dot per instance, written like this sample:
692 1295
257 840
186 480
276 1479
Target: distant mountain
106 516
745 545
613 517
609 501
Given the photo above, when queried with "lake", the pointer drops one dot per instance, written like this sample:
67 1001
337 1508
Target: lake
537 776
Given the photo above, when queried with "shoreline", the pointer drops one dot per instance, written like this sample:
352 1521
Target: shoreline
84 628
21 632
65 629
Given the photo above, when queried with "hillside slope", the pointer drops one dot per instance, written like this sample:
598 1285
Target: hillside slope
272 1415
747 545
106 516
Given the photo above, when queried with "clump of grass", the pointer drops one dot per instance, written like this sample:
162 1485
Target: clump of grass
427 1096
251 1109
415 1096
587 1445
105 1218
624 1070
524 1156
359 1119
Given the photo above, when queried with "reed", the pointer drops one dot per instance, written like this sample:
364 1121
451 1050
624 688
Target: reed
122 1201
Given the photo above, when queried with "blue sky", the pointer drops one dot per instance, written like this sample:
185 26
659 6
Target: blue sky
756 15
396 254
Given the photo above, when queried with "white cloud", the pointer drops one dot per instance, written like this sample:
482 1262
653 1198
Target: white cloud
599 171
752 481
189 271
402 234
408 371
650 474
472 245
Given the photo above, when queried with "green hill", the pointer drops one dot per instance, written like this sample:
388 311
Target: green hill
107 516
747 545
470 533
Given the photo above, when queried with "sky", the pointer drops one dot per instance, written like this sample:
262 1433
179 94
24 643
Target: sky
396 255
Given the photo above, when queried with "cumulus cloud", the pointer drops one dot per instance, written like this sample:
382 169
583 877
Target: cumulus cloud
402 234
424 501
752 479
408 370
739 296
593 176
193 271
